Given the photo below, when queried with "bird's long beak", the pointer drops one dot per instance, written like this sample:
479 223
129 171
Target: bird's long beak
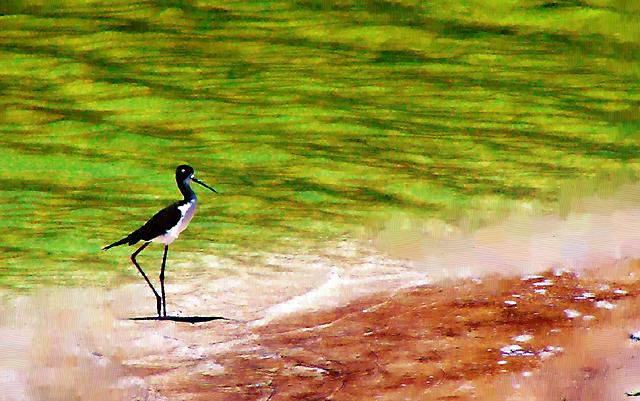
194 179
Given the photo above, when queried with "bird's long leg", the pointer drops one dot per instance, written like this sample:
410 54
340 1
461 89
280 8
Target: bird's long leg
164 260
133 260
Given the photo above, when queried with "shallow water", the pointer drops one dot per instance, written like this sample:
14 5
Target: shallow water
312 120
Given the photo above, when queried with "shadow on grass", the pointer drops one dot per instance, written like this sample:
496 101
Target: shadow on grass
185 319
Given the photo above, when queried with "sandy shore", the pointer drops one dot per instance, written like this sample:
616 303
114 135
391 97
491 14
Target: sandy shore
491 340
535 337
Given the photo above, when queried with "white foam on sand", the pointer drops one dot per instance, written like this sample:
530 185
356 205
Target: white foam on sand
339 287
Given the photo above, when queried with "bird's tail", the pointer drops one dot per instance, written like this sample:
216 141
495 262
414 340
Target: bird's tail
129 239
117 243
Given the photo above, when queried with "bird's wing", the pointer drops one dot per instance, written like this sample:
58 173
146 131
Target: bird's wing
157 225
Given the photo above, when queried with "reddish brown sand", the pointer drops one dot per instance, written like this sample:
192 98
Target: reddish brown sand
435 342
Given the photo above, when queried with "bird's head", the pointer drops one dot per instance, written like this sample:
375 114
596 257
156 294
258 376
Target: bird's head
185 173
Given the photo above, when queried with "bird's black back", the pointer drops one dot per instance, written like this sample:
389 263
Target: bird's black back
157 225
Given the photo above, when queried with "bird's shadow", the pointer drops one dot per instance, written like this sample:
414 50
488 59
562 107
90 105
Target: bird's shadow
184 319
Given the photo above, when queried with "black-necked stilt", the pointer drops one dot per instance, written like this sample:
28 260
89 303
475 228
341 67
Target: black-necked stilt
164 227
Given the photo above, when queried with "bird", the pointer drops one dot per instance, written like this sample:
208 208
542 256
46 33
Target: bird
165 227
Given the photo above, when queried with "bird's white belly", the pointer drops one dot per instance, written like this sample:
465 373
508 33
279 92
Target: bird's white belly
187 210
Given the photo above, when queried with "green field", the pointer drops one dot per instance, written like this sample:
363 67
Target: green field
313 119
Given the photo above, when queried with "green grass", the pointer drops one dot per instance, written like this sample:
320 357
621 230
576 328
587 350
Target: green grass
312 118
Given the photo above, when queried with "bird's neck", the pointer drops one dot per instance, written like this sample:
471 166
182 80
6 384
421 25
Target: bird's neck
186 191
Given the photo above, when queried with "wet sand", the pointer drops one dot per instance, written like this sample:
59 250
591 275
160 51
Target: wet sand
557 335
493 339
